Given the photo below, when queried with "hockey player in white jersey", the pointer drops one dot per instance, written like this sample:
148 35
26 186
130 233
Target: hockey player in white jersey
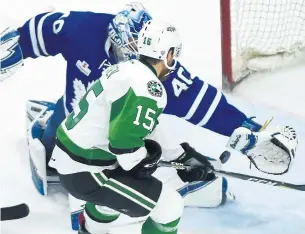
107 150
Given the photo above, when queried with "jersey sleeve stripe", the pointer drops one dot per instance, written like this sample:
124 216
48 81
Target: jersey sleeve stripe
40 34
32 32
211 110
197 101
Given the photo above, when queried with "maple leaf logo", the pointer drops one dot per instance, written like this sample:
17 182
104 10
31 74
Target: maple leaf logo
80 90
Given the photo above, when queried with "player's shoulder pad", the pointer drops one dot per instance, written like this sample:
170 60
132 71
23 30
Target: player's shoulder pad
144 82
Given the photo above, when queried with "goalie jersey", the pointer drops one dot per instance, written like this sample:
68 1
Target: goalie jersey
82 39
111 121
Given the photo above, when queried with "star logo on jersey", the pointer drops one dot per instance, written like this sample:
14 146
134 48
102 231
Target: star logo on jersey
155 88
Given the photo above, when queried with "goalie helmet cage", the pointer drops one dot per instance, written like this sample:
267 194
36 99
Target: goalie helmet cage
260 35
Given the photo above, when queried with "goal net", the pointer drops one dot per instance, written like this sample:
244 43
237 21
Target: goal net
260 35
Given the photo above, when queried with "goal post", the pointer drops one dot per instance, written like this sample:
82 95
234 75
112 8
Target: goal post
260 35
225 14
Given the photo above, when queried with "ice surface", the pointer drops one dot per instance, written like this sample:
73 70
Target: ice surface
258 209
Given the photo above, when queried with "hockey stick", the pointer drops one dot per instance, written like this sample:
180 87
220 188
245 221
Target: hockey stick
180 166
14 212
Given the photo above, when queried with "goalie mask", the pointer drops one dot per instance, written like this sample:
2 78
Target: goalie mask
124 29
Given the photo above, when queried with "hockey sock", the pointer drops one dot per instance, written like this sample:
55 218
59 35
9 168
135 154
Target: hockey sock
100 216
97 218
152 227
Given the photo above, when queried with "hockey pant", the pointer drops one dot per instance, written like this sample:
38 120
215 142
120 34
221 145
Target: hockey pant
114 193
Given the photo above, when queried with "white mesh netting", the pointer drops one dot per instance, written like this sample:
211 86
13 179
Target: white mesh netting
261 28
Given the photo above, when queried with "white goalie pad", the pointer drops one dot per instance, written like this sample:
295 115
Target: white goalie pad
206 194
40 175
38 165
37 111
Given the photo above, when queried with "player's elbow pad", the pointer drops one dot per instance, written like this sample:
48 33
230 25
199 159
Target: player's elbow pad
129 159
11 56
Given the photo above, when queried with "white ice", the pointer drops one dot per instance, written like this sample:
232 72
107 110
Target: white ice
258 208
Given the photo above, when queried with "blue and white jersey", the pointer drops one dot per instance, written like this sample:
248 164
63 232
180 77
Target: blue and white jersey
82 39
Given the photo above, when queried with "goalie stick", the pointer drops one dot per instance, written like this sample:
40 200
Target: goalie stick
14 212
181 166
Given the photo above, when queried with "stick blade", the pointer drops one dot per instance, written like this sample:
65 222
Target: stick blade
15 212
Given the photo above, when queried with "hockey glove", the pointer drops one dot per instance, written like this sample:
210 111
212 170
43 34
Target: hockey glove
149 164
269 151
202 168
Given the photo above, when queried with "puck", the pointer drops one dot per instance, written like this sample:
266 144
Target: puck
224 157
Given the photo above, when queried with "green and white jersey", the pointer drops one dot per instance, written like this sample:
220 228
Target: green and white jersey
111 121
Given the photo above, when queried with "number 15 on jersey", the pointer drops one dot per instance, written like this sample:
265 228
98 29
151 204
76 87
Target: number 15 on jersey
147 120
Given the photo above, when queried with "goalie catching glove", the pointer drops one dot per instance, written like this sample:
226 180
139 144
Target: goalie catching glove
270 151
